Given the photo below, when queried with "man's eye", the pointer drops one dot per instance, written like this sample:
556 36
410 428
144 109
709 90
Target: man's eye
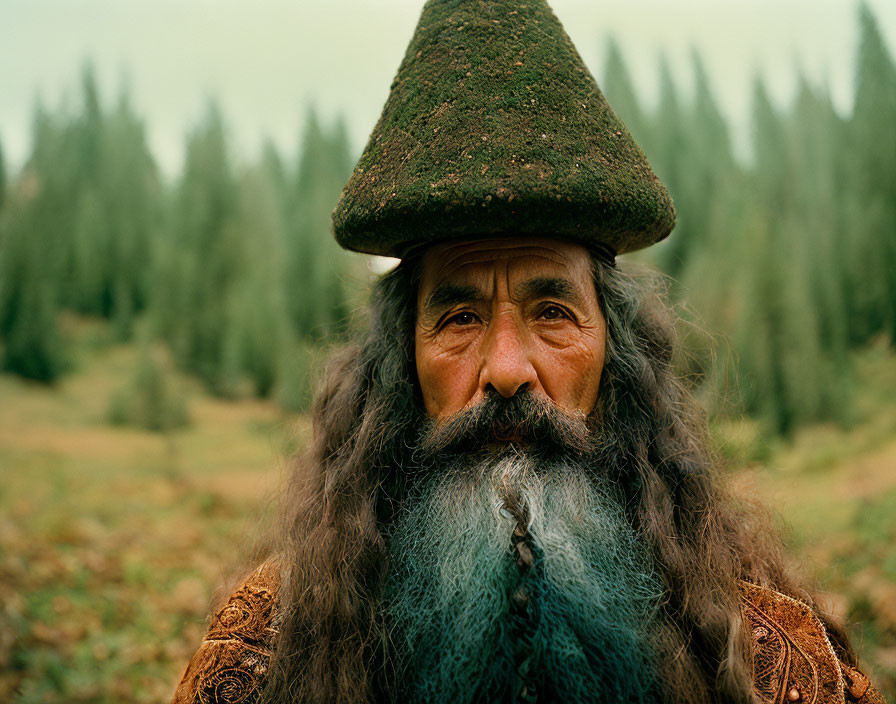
464 318
553 313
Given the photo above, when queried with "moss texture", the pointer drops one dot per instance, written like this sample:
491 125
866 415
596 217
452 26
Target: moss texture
495 127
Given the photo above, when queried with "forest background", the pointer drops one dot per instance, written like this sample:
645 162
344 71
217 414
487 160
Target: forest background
160 335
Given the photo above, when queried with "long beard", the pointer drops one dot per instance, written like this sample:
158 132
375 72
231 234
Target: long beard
516 577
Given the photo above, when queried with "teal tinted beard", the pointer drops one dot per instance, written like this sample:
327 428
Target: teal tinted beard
448 598
489 609
570 656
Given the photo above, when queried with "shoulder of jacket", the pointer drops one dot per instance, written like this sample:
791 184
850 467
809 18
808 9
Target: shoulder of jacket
232 660
793 659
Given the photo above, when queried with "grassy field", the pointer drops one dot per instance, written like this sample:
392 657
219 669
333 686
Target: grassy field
112 539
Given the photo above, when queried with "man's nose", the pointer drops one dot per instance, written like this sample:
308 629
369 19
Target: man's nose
506 364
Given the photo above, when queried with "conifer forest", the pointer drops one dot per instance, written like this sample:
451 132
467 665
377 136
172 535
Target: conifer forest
789 255
219 291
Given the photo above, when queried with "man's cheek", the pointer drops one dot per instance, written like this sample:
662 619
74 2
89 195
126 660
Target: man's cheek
448 381
572 368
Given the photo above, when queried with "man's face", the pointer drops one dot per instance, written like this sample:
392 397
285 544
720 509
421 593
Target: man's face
503 314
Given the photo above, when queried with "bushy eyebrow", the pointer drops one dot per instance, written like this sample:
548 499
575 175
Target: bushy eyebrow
448 294
550 287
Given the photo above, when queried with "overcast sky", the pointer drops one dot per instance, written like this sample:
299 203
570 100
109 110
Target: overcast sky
264 59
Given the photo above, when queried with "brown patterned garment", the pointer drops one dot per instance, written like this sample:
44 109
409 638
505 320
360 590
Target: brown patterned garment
793 660
231 663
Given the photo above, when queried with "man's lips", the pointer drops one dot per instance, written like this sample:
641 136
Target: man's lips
508 438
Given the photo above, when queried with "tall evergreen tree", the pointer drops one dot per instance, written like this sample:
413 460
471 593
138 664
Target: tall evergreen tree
619 89
710 168
260 328
132 200
87 244
95 205
669 146
786 367
116 214
2 178
816 138
318 267
48 182
89 127
668 128
871 243
761 335
33 256
203 256
275 171
31 343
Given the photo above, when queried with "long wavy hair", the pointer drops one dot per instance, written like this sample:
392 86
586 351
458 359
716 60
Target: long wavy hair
331 646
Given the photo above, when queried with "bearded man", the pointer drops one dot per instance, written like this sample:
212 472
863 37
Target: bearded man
509 496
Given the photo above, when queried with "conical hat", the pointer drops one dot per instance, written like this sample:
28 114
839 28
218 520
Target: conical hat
494 127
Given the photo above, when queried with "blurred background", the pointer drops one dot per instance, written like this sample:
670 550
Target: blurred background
169 288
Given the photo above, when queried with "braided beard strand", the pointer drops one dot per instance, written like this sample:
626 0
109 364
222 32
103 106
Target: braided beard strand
517 578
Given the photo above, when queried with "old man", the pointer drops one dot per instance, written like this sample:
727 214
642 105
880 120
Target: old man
509 496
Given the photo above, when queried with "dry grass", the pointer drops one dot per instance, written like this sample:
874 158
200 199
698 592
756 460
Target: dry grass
112 539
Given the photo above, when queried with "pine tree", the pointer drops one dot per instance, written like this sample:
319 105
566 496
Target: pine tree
88 237
89 127
2 179
871 243
30 340
47 180
710 167
668 128
203 256
704 253
619 89
816 136
275 171
260 325
668 153
317 266
32 258
786 367
96 205
132 196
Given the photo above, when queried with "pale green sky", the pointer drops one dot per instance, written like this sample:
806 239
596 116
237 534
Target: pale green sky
264 58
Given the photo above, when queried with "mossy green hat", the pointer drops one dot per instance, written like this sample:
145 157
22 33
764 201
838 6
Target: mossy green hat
495 127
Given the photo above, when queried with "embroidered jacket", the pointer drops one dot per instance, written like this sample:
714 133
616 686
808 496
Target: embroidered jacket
793 660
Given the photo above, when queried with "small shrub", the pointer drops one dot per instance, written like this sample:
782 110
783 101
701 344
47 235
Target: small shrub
150 399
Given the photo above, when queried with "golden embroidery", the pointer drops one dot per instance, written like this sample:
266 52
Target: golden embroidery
231 663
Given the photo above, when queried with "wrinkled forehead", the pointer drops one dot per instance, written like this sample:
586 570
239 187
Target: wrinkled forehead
480 263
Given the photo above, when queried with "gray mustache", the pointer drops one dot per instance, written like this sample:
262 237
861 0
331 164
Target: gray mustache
524 419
